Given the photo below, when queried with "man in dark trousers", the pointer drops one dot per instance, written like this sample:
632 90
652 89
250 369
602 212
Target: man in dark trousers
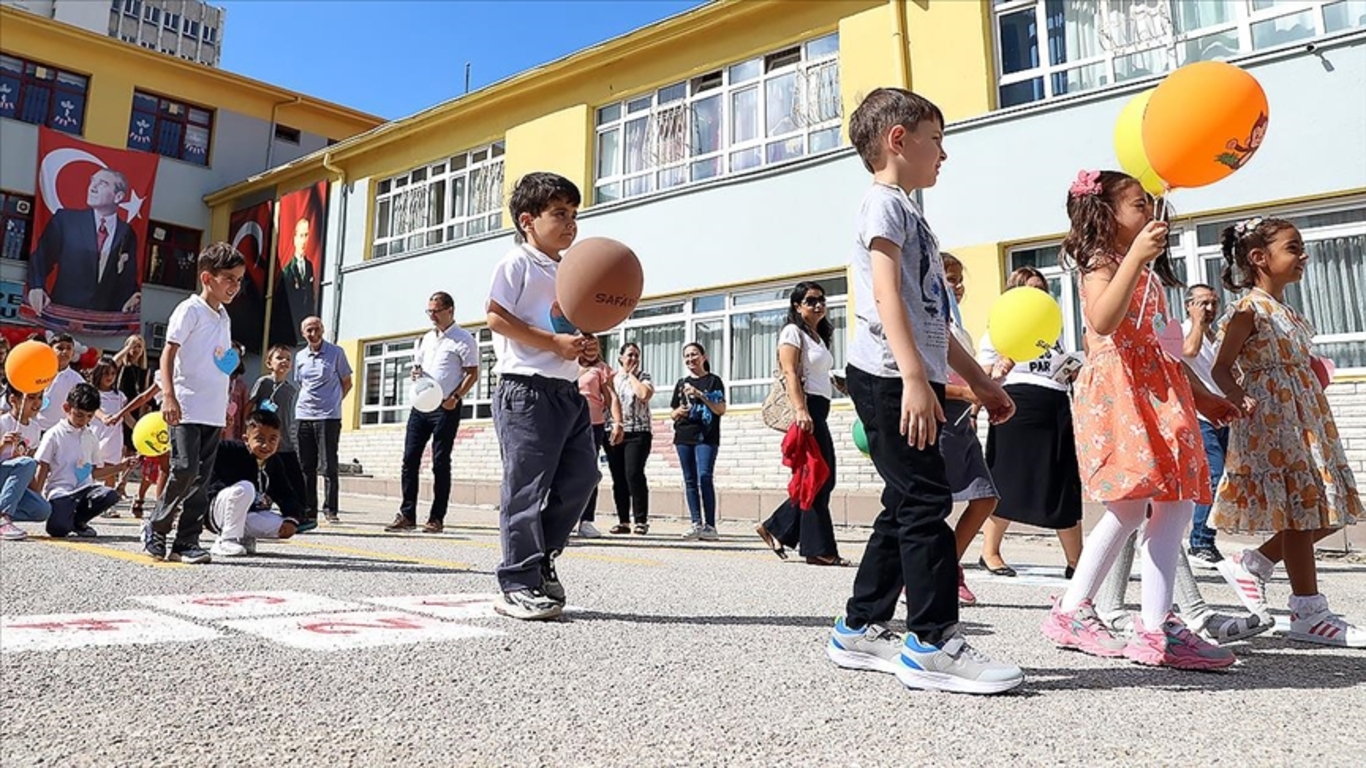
94 252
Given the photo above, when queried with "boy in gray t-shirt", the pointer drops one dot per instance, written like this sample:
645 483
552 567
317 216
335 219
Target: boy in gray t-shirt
898 365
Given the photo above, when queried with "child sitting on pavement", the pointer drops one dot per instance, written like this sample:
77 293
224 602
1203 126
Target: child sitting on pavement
249 478
69 470
19 436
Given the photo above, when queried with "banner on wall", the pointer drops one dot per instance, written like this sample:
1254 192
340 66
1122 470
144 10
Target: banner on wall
85 270
250 233
298 261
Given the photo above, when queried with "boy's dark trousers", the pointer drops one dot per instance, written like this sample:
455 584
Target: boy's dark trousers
550 468
74 511
911 544
193 450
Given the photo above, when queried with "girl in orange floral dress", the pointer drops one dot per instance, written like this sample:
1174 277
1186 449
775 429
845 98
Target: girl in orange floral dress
1285 470
1138 443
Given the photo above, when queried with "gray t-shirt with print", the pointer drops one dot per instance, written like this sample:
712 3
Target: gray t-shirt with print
887 212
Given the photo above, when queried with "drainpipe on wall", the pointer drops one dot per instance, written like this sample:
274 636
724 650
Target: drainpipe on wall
900 44
270 140
341 243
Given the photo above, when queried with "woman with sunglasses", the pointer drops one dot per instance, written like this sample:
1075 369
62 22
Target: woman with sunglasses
805 356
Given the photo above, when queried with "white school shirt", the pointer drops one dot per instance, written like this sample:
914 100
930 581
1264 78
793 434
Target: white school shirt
110 436
71 455
816 360
31 432
204 336
1039 371
444 356
56 393
1203 363
524 284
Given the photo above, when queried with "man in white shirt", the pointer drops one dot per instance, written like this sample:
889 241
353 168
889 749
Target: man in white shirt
1199 351
449 356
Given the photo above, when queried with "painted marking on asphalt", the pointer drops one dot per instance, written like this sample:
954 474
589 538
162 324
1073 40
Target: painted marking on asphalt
242 605
139 558
452 607
79 630
345 631
372 554
1029 576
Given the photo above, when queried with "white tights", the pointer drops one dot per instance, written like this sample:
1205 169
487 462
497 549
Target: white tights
1160 543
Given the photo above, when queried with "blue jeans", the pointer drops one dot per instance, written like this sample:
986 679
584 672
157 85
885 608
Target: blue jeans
697 461
17 500
1216 445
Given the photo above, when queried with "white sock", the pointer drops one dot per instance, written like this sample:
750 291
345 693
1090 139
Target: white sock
1100 550
1160 542
1257 564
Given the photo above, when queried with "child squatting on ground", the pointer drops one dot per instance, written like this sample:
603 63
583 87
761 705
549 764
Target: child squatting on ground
250 480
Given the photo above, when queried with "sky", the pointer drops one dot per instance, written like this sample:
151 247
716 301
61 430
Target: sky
393 58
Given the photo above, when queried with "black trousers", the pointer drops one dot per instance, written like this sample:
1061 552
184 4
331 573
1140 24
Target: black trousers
194 448
630 489
812 530
912 545
439 427
317 444
600 440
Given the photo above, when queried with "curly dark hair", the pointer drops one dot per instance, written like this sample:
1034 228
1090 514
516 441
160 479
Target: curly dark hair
534 193
1090 243
1022 276
824 329
1240 273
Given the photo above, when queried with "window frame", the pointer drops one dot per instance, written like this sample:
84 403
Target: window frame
487 162
676 160
30 77
186 240
162 116
1174 43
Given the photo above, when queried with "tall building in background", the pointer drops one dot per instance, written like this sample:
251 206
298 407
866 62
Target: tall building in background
190 29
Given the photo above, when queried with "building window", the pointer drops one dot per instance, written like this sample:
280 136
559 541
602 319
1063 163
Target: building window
764 111
444 202
16 223
388 365
1329 295
172 256
170 128
191 28
152 14
171 21
132 7
210 34
42 95
1089 45
286 134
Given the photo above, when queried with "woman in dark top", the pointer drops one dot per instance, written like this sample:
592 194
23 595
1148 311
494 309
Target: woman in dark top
698 402
133 379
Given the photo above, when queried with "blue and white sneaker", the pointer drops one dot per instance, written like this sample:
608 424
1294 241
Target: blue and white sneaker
953 665
153 543
874 647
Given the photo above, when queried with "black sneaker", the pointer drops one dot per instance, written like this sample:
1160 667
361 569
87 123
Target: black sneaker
190 554
528 605
1207 558
153 543
85 532
550 581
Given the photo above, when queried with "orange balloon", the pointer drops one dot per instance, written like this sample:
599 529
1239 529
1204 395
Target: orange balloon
1205 121
31 366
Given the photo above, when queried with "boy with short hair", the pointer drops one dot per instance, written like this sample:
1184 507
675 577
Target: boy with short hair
898 366
549 459
69 470
62 383
19 437
276 393
249 478
197 361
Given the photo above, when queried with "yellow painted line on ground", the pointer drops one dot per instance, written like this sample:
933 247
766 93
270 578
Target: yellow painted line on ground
382 555
467 542
140 558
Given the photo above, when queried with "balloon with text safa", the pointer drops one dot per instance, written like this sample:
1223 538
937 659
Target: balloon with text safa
1203 122
1133 160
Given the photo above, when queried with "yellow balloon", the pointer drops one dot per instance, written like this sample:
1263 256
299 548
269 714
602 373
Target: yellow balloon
1133 158
151 436
1024 323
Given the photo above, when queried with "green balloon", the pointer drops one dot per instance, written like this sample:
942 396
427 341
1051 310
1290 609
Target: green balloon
860 437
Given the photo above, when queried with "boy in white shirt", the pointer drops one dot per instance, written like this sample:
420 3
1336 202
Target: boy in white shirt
62 383
19 436
197 361
550 465
69 470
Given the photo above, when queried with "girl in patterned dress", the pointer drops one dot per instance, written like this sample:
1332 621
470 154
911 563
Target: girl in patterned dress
1138 444
1285 470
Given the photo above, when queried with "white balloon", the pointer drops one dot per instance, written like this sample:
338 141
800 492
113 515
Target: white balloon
425 395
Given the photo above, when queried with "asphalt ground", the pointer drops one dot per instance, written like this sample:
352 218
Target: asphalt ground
673 653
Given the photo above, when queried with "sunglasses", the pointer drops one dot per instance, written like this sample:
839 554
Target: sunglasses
814 301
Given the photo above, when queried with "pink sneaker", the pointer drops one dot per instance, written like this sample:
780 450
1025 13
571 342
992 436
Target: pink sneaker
1082 630
11 532
1173 645
965 596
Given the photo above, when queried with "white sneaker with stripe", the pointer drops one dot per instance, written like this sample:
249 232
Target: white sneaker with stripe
1312 622
1250 587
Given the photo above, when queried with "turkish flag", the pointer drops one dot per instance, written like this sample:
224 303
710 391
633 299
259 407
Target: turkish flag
85 271
250 231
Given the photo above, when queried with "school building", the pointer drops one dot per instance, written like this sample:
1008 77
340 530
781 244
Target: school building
211 128
714 143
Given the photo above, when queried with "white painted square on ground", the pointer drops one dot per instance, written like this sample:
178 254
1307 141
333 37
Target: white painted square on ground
79 630
453 607
369 629
243 605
